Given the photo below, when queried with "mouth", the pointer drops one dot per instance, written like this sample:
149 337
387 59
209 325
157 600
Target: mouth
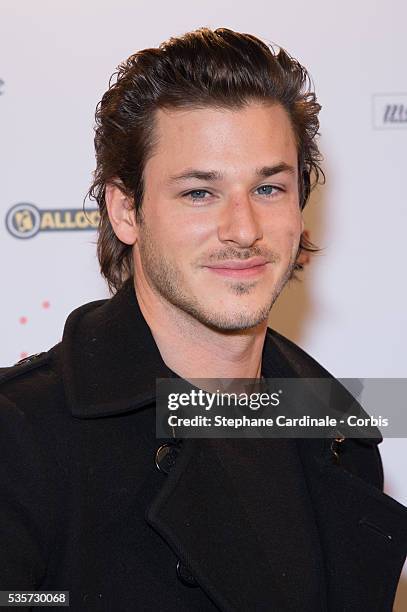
240 269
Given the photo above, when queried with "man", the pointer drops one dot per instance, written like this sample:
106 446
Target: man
206 155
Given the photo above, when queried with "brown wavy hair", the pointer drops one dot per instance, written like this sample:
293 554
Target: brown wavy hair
205 67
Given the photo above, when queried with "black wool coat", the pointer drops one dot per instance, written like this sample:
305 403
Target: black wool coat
236 525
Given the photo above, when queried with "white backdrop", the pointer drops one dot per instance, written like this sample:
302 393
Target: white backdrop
350 310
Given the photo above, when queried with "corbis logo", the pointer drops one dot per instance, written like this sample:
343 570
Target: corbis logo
389 111
26 220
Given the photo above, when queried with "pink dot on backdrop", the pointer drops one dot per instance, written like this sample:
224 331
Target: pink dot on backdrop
23 320
23 355
46 304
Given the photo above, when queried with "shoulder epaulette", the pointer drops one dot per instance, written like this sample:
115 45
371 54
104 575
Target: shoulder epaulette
24 365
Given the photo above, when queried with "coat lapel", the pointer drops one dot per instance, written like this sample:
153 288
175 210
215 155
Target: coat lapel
237 514
363 532
337 544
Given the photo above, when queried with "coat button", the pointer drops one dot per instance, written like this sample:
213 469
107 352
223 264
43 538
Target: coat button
185 575
166 457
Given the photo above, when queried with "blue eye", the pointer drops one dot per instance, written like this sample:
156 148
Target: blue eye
269 190
200 193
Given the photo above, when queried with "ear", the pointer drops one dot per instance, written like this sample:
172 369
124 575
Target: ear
121 213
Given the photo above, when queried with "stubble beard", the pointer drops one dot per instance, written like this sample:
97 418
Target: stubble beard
167 281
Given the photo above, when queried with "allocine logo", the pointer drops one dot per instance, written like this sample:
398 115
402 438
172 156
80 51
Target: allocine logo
390 111
26 220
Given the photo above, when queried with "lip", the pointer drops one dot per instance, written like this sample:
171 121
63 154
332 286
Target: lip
248 267
233 264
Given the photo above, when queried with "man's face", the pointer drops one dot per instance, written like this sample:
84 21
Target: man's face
221 190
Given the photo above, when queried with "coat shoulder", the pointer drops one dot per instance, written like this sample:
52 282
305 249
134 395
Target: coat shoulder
33 384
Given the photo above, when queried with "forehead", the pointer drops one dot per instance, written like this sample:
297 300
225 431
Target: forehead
226 138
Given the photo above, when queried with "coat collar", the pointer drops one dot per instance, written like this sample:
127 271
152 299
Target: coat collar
110 361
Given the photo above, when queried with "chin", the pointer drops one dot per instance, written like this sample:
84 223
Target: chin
236 320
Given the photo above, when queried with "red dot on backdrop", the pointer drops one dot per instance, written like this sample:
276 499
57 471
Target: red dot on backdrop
23 355
46 304
23 320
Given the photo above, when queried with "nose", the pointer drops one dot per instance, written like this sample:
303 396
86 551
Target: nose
239 223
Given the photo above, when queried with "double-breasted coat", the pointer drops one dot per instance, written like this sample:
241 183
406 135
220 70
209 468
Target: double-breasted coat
228 524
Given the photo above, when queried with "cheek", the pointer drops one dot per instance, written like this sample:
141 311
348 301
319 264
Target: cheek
285 227
175 232
185 231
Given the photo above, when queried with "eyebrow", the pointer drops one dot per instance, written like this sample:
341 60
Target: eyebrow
215 175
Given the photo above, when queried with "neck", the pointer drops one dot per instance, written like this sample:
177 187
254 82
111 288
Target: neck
194 350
